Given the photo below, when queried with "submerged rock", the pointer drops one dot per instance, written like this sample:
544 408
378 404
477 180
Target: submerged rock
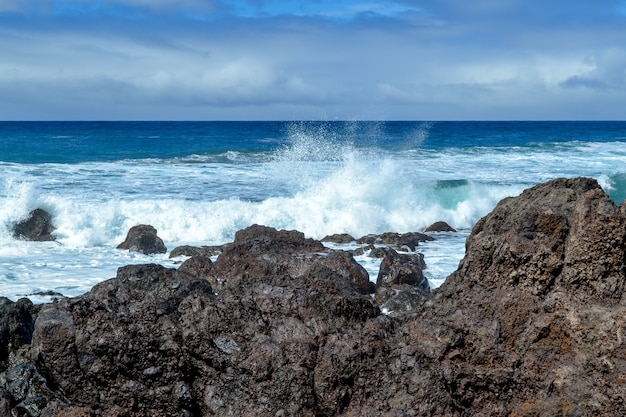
38 227
143 238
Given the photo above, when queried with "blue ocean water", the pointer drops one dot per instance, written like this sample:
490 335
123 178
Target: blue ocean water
200 182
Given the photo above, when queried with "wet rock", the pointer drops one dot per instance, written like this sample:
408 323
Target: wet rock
404 241
206 251
341 238
362 250
25 392
37 227
399 299
402 269
143 238
440 227
401 284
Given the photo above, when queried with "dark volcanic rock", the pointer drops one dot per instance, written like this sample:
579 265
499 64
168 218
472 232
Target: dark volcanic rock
23 390
195 267
531 324
400 241
163 345
440 227
401 284
38 227
17 321
206 251
143 238
402 269
539 298
339 238
124 335
263 251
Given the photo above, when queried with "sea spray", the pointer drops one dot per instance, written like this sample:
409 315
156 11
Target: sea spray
198 183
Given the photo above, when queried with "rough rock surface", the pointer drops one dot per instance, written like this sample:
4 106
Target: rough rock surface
399 240
206 251
22 388
439 227
531 324
155 342
143 238
17 322
338 238
538 302
401 284
38 227
261 251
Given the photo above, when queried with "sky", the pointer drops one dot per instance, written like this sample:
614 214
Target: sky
312 60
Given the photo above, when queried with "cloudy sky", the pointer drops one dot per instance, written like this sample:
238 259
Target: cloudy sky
315 59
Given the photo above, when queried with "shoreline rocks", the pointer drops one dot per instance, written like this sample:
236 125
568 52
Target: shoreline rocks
38 226
530 324
143 238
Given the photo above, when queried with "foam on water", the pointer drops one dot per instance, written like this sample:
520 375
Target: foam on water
319 180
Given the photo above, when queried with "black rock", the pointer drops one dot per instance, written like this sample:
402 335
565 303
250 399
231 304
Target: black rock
37 227
143 238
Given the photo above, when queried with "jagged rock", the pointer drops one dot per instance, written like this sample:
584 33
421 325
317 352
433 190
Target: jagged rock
341 238
161 344
195 267
264 251
143 238
124 335
401 284
402 269
529 325
400 241
539 298
17 321
38 227
186 250
440 227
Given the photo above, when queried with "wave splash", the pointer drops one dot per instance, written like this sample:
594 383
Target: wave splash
319 183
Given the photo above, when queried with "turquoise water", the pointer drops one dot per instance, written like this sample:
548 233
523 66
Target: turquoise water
200 182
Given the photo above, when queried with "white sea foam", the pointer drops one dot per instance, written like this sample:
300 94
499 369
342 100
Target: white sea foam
316 183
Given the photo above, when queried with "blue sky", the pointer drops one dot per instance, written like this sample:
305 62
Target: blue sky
286 60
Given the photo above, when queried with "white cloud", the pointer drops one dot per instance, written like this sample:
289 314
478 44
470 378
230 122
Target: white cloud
307 66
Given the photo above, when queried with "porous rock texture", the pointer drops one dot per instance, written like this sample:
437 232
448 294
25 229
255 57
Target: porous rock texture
143 238
531 324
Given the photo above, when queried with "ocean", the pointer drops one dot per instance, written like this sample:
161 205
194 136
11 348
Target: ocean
198 183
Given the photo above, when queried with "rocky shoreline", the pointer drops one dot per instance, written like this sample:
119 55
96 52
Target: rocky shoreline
530 324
